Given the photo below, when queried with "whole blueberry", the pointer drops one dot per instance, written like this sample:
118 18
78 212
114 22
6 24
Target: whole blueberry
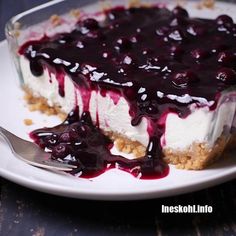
86 119
123 44
36 68
226 75
156 60
152 108
90 24
87 25
130 94
183 79
73 134
136 38
51 140
65 137
224 20
147 51
199 53
178 21
218 47
162 31
116 13
179 11
176 51
196 30
60 151
226 58
176 35
83 130
147 106
127 60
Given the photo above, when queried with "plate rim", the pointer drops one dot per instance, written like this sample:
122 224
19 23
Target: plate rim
70 192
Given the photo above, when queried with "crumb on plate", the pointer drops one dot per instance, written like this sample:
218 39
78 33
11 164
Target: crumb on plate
206 4
134 3
105 5
75 13
28 122
55 20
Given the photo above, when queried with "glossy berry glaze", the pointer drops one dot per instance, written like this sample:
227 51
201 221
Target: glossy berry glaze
160 61
77 141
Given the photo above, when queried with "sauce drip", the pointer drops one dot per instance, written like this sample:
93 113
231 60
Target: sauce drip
77 141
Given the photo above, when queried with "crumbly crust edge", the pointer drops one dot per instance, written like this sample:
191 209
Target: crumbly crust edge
41 104
196 157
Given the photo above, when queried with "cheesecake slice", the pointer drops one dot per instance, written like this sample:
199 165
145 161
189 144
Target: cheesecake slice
157 82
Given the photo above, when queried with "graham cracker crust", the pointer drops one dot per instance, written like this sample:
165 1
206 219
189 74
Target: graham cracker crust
40 104
125 145
196 157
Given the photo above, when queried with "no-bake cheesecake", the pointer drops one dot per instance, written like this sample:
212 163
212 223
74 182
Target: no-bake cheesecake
159 83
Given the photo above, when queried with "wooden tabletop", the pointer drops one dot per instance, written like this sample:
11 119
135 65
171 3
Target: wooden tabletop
27 212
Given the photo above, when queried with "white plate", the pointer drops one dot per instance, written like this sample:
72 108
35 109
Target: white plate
113 185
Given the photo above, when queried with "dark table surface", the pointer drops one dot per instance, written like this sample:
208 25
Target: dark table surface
26 212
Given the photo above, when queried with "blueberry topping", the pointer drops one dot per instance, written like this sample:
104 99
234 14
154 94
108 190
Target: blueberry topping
218 47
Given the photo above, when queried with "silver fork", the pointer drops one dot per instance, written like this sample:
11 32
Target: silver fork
31 153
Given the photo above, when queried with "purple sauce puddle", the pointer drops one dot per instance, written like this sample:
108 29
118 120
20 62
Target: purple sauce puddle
152 57
77 141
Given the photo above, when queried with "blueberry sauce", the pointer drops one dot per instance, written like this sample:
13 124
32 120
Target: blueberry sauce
152 57
77 141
